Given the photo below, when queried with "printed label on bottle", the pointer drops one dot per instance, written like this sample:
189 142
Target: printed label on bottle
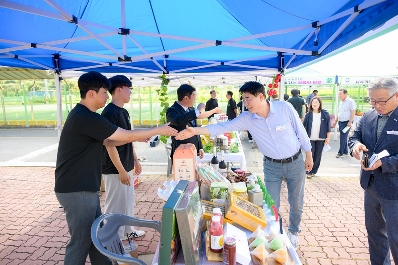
216 242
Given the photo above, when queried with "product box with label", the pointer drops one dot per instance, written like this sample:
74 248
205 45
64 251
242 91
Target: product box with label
219 192
169 236
184 162
190 223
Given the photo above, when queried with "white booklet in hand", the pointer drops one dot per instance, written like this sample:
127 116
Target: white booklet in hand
376 157
345 129
326 148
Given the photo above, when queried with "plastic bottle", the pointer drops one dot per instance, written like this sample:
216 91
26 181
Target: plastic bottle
214 160
216 235
222 166
217 212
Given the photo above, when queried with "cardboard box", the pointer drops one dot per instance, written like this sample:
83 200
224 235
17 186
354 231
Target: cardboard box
219 192
169 236
190 223
242 247
244 213
184 162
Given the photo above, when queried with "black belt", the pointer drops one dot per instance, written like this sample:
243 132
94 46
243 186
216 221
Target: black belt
285 160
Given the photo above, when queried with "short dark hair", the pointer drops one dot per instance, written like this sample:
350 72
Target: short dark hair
92 81
229 92
295 92
211 91
315 91
185 90
320 103
343 90
252 87
285 97
118 81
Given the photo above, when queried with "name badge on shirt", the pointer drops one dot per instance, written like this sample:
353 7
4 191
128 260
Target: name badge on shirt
392 132
280 128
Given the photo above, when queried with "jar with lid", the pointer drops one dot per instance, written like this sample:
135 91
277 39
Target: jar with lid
240 190
229 251
256 195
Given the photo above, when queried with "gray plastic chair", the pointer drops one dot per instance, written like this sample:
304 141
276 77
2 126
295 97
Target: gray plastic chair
105 237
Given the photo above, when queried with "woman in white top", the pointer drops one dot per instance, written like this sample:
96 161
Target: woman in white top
317 124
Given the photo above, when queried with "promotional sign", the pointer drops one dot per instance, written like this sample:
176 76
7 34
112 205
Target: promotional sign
309 80
362 80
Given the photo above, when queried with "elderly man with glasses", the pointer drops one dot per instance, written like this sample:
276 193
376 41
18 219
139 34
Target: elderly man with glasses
377 131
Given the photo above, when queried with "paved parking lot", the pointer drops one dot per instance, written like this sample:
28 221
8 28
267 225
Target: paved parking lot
33 228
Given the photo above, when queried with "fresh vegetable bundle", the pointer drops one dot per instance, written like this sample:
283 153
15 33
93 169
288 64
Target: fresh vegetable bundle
208 147
234 147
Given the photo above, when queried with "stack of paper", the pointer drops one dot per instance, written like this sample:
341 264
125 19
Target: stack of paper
376 157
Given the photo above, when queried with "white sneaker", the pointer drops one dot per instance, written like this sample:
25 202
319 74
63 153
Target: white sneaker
293 237
250 141
138 233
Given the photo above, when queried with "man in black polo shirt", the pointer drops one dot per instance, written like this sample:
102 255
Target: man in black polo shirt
79 161
212 103
298 103
232 109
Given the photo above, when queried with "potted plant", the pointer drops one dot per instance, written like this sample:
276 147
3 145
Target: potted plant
358 112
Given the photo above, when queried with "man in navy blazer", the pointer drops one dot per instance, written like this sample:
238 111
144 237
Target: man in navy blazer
377 131
182 114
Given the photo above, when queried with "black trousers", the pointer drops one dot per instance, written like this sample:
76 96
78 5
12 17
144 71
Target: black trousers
316 149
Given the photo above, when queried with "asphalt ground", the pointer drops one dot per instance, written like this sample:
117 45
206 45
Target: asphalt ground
38 147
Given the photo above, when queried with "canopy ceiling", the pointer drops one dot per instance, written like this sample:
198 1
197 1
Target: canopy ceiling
181 36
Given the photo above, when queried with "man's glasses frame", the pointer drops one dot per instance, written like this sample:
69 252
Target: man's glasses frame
380 102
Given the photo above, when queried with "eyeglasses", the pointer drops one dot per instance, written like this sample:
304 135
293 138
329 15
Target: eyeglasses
247 99
380 102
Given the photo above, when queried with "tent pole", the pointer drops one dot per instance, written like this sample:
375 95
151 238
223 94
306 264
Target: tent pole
336 109
123 16
282 88
59 104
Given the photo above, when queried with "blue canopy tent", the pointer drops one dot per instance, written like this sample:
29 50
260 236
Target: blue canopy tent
180 36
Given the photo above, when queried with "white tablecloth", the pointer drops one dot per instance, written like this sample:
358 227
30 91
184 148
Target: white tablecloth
229 157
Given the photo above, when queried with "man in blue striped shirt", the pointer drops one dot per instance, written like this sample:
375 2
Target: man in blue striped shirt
280 136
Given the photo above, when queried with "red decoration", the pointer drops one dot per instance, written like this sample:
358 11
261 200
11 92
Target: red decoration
269 85
275 85
272 92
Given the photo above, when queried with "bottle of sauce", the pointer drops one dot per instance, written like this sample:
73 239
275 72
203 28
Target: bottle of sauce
216 234
229 251
217 212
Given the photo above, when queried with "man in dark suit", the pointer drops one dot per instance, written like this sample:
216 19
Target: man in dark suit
182 114
377 131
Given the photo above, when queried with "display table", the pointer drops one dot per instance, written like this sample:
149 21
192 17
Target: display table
229 157
292 254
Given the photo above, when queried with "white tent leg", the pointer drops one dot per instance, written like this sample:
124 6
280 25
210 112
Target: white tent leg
336 109
282 88
59 104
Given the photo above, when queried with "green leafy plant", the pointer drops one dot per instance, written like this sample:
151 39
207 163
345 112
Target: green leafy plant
164 104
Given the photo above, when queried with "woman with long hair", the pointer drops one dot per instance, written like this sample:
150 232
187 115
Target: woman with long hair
317 124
